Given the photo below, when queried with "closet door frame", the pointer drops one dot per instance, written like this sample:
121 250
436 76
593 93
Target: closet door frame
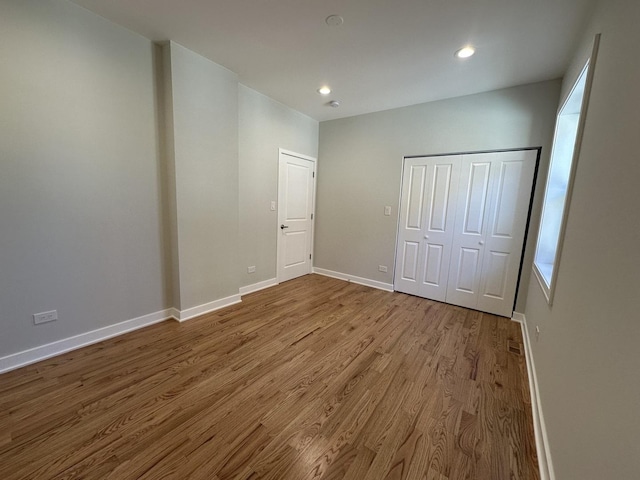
461 154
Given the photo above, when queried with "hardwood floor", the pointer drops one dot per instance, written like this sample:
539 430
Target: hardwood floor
315 378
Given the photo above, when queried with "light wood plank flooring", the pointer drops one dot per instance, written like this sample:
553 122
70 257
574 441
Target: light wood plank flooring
313 379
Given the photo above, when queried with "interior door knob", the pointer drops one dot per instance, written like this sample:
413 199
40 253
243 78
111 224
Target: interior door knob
480 242
426 237
283 226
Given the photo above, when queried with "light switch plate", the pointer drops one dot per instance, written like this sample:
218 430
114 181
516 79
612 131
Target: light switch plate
273 205
387 210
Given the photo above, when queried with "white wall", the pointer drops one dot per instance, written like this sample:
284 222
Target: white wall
587 356
202 115
360 164
80 218
265 126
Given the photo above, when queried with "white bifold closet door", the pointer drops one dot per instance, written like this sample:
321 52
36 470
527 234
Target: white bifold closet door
462 226
427 216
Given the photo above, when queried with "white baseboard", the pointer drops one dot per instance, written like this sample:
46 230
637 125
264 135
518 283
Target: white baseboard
258 286
37 354
33 355
188 314
387 287
539 426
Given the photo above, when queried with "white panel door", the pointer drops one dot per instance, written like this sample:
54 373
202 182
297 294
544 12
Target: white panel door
469 231
295 215
462 225
410 230
426 226
506 224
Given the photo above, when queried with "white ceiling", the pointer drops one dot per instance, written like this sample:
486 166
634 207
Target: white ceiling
387 53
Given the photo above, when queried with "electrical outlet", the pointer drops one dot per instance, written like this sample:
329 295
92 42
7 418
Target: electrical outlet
387 210
45 317
251 269
537 332
382 268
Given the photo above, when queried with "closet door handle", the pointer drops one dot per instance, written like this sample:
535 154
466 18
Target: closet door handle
480 242
283 226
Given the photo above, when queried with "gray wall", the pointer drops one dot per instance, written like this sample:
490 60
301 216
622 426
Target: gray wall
587 357
80 217
202 120
360 164
265 126
120 187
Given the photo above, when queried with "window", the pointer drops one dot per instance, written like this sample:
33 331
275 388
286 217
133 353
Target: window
566 146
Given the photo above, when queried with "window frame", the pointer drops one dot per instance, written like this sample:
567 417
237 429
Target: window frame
548 288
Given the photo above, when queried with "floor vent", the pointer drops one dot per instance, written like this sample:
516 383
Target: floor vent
514 347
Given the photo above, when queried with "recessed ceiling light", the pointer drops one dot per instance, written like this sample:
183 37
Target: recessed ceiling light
334 20
465 52
324 90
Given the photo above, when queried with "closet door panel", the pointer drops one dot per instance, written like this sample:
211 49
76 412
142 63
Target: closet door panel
439 216
470 225
439 221
408 252
427 213
465 277
415 197
434 264
508 210
496 266
476 181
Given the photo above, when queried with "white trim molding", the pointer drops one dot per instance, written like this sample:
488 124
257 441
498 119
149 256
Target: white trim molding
298 155
43 352
174 313
387 287
272 282
188 314
539 426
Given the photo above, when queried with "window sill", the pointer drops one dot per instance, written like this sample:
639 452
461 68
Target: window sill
544 276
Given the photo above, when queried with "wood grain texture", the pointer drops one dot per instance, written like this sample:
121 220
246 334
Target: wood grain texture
313 379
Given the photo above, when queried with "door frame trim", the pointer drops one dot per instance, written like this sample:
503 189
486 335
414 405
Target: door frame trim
281 153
